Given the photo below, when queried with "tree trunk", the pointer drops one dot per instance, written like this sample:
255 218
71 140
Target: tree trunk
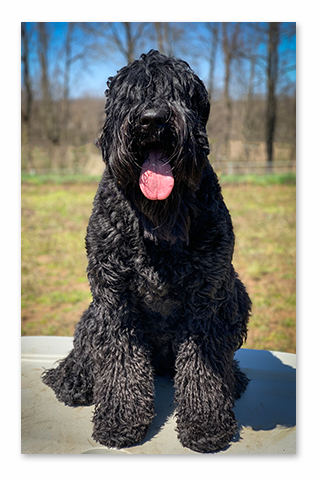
129 41
229 49
213 28
272 75
159 34
26 112
49 124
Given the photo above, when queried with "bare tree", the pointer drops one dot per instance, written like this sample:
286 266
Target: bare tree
66 80
160 35
272 76
230 39
111 38
128 36
213 29
26 81
249 53
48 120
162 30
172 38
128 46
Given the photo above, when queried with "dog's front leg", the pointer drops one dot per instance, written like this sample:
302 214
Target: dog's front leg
205 420
123 391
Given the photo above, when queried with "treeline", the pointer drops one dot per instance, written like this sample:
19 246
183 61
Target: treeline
248 68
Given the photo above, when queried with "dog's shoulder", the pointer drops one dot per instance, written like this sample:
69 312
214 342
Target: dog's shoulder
209 194
213 218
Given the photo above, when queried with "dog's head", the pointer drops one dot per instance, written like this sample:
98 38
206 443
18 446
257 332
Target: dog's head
154 138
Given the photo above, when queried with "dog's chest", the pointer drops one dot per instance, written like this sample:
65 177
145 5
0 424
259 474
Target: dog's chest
169 261
159 285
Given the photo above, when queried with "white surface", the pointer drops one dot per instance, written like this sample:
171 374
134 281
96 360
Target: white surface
265 413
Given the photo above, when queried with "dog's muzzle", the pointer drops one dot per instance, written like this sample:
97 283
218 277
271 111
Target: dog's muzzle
156 179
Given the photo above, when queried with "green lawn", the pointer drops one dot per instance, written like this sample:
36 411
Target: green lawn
55 290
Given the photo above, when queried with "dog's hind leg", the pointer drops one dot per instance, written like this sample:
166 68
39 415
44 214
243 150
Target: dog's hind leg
72 380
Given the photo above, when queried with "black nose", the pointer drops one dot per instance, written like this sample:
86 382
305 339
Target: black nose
153 119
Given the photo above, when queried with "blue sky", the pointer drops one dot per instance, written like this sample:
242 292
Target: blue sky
90 78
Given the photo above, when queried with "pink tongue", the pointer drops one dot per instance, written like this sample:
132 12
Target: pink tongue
156 179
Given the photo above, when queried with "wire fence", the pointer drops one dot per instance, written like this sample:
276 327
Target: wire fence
87 160
221 168
254 168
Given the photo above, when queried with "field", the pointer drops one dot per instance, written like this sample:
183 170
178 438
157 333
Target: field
55 290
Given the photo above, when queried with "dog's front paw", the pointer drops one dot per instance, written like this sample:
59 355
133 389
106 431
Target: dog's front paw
205 436
119 436
112 430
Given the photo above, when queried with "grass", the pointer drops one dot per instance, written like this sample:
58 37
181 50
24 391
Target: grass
265 179
264 223
54 287
59 179
55 290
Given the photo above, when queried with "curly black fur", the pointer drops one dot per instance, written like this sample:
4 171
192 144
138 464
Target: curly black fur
165 295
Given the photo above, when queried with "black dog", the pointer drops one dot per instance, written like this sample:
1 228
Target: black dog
160 244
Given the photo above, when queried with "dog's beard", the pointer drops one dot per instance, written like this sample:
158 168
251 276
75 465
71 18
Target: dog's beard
167 219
